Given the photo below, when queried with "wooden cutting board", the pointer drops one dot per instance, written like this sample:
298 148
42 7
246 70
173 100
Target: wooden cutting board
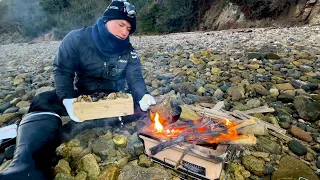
104 108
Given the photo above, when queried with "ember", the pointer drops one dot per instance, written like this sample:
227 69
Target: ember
205 130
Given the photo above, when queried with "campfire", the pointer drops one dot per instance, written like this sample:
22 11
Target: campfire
199 146
200 131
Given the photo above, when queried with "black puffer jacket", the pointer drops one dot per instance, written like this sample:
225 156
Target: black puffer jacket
78 55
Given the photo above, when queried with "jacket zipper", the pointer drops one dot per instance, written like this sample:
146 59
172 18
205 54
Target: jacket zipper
105 65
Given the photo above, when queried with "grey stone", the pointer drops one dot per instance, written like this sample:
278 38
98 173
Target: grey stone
5 106
297 148
293 168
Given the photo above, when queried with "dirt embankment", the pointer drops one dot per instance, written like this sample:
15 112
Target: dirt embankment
261 13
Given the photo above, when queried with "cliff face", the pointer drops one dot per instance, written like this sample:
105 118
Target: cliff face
261 13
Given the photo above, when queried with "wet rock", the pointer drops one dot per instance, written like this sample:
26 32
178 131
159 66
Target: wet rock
260 154
11 110
284 87
264 144
140 173
23 104
215 70
286 98
307 109
302 126
301 134
21 78
240 106
253 103
15 101
311 130
293 168
103 147
63 167
236 92
120 140
255 55
240 171
5 118
272 56
63 150
135 146
81 176
285 124
111 172
309 157
122 162
297 148
258 89
10 97
62 176
268 170
274 92
218 94
89 165
144 161
78 152
27 97
5 106
254 165
185 88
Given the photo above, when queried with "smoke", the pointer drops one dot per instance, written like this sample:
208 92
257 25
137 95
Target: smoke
24 15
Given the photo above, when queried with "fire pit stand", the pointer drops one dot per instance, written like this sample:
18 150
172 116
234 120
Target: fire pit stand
194 163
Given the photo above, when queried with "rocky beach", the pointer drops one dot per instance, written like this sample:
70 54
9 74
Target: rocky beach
245 68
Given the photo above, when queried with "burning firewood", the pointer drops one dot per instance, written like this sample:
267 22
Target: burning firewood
206 131
216 126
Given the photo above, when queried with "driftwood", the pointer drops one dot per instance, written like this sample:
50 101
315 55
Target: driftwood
238 116
262 109
251 126
243 140
263 123
217 114
255 129
219 105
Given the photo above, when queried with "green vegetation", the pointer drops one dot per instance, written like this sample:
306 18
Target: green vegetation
38 17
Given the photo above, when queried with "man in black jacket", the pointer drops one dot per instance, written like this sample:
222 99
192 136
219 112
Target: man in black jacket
98 59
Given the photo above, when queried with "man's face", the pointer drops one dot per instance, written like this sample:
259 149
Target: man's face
119 28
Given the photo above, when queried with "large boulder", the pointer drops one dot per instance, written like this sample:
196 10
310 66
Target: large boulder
291 168
307 109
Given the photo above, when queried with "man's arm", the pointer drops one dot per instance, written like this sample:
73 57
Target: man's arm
134 77
64 66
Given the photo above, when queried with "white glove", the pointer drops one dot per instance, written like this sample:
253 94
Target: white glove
68 104
146 101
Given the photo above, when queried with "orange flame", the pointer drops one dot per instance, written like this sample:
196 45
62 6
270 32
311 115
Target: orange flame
157 125
231 134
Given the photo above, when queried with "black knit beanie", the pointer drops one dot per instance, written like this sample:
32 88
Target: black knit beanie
116 10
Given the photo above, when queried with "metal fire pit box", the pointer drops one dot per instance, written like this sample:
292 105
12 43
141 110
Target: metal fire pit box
192 165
